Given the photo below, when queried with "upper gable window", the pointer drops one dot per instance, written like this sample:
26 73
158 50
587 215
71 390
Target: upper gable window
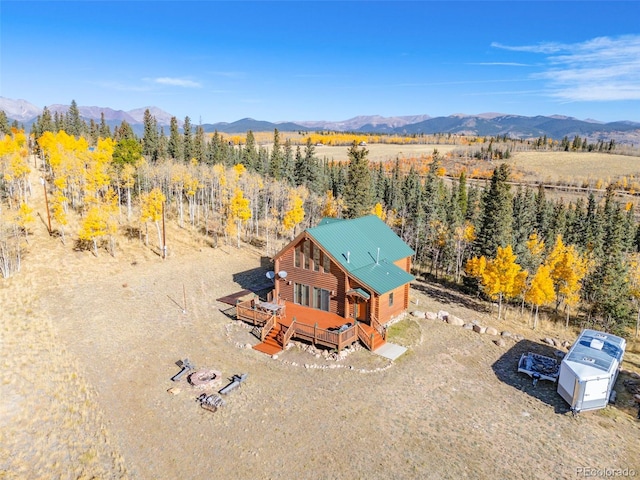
297 256
316 258
306 249
326 263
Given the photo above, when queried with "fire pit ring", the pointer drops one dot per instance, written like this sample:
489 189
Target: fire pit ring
205 378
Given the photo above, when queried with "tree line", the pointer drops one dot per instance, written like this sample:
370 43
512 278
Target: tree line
511 245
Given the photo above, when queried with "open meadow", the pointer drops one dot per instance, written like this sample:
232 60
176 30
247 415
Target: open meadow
574 168
89 346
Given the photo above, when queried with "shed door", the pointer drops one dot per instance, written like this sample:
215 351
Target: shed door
596 389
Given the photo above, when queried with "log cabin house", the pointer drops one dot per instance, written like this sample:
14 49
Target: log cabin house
334 284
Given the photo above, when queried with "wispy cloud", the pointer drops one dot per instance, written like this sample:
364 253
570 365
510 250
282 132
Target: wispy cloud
177 82
600 69
501 64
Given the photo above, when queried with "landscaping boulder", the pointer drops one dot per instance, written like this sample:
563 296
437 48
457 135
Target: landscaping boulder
419 314
468 326
443 315
500 342
549 341
506 334
491 331
453 320
432 316
479 328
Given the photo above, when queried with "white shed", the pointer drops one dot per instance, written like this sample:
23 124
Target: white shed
589 370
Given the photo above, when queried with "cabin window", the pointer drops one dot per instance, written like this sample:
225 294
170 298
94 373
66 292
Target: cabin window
321 298
307 253
301 294
316 258
297 253
391 299
326 263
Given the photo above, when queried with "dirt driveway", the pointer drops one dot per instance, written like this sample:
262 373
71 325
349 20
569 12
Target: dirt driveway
89 346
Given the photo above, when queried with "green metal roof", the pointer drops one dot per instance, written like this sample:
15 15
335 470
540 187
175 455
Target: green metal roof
366 248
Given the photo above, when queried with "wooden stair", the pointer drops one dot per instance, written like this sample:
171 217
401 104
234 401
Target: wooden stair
378 341
270 346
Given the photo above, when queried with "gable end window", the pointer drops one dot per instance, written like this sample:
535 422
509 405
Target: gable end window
326 263
297 255
316 258
307 253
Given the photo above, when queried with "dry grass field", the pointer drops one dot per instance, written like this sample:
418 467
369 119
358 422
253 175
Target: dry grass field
572 168
89 344
382 152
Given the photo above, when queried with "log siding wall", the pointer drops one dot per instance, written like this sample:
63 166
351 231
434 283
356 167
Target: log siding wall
336 281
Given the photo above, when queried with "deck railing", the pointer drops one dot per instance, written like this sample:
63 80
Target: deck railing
289 333
247 312
379 327
328 338
365 337
267 328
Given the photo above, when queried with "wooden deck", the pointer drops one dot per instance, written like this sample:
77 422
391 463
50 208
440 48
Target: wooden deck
309 324
312 316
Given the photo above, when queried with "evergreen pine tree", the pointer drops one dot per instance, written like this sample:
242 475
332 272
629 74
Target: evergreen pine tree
150 137
250 154
4 123
462 195
358 193
74 124
543 215
103 130
497 215
199 145
288 163
607 288
524 219
187 140
124 131
175 147
276 160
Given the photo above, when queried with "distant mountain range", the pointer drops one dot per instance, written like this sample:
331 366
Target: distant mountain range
486 124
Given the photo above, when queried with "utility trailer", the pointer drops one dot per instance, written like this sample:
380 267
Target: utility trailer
589 370
539 367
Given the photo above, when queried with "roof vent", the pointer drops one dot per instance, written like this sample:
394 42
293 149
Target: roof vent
348 256
596 344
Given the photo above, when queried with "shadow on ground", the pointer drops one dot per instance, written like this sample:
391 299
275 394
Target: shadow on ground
506 369
255 279
445 295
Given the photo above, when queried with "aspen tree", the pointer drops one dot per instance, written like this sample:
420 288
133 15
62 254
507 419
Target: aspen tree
379 212
541 291
503 278
239 212
295 214
151 205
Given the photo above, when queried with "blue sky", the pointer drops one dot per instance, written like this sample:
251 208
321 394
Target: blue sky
327 60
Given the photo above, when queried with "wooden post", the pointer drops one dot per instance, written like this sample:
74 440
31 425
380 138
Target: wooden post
164 235
184 296
46 201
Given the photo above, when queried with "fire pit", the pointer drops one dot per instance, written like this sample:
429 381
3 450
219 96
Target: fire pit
205 378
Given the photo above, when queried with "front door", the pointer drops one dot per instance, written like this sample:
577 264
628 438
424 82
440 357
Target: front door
361 310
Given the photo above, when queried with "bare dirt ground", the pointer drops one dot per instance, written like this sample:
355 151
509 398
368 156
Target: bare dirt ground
88 347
